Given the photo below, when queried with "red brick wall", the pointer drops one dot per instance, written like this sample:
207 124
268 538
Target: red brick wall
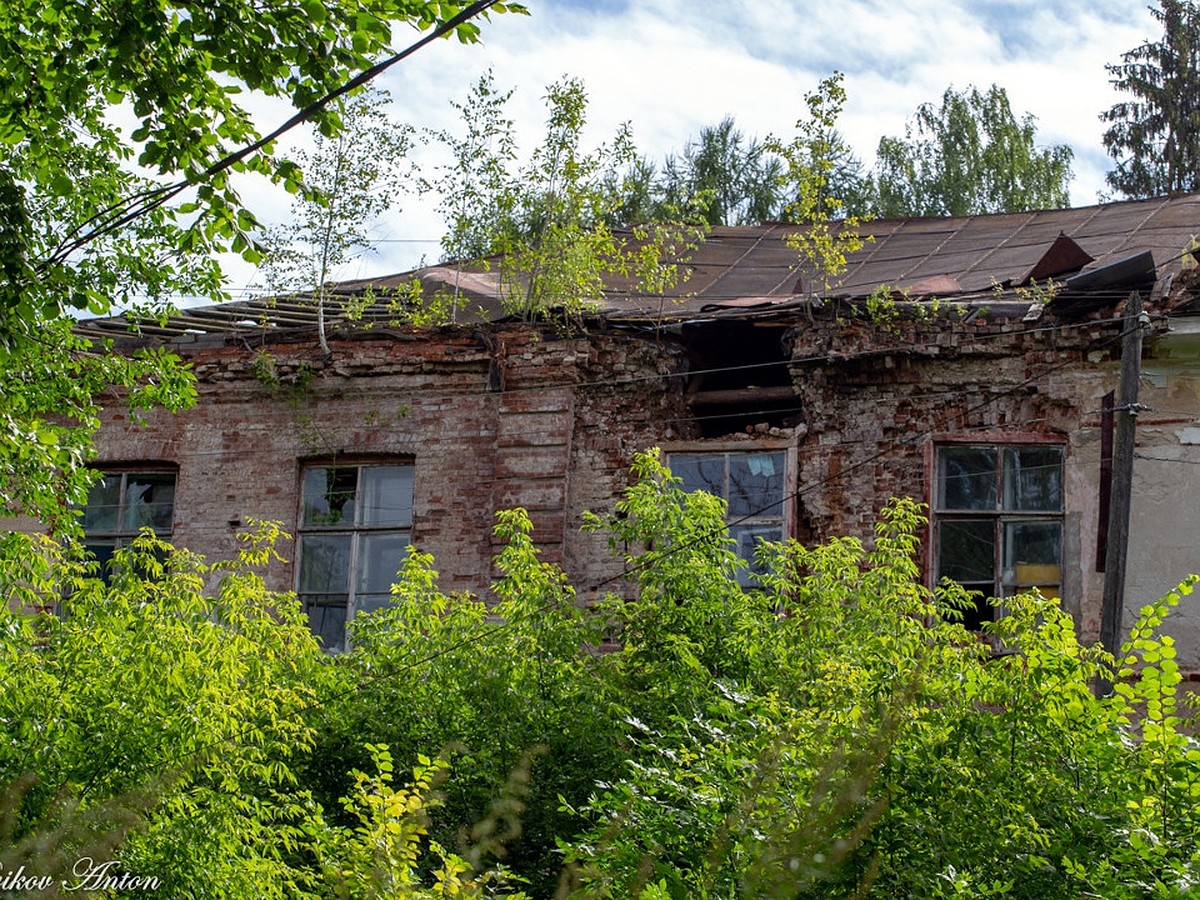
514 416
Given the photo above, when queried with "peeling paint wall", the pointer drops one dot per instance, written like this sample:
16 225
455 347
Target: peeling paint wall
1165 519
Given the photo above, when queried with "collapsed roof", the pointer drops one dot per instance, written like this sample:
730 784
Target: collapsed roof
1092 252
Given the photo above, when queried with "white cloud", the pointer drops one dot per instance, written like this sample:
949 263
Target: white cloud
673 66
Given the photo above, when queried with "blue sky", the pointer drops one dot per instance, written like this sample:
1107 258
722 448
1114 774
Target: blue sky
671 67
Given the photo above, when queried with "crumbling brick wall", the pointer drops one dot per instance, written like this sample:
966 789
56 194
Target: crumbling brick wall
513 415
875 395
491 418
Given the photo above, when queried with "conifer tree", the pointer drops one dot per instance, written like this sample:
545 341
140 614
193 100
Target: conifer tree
1155 136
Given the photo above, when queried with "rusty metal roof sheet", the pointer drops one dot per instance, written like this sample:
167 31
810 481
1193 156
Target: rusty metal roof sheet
744 270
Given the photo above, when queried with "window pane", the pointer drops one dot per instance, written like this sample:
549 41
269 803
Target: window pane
980 610
756 484
324 563
748 538
149 502
1032 543
327 619
103 554
1032 557
967 552
366 603
967 478
103 505
385 495
1033 479
379 559
329 495
700 472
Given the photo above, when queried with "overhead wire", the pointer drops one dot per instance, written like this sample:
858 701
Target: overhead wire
121 213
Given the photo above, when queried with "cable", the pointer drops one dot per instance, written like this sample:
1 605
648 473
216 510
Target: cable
1162 459
119 214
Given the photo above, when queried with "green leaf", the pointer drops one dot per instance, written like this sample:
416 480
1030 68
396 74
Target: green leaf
315 9
62 184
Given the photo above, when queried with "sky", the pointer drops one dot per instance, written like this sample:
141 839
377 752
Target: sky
672 67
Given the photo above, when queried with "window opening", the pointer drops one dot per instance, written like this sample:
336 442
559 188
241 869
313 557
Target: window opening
998 517
751 483
355 522
741 377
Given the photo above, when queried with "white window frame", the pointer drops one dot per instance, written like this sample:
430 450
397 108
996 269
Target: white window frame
372 543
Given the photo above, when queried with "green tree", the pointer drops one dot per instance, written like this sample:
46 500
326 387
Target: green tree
969 156
149 685
474 188
1155 137
81 230
734 179
350 179
90 211
162 720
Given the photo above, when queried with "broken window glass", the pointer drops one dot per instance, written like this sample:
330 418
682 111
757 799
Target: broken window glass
120 504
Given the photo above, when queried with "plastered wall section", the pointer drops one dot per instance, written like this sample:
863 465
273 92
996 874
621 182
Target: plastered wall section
1165 519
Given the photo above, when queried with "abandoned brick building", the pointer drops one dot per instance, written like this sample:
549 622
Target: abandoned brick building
971 387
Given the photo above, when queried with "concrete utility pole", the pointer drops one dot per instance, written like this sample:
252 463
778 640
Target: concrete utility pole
1117 547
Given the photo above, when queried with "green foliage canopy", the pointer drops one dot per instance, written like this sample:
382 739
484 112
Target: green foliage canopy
736 178
831 732
106 114
969 156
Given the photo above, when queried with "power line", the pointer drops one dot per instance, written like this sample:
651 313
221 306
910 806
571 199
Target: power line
119 214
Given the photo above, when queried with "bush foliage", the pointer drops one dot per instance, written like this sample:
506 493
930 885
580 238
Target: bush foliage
833 731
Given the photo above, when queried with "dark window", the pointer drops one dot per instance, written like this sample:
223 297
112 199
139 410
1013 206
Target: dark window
998 518
354 527
752 483
121 504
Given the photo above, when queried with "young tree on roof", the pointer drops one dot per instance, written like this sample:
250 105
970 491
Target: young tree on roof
553 221
1155 136
823 190
349 180
969 156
